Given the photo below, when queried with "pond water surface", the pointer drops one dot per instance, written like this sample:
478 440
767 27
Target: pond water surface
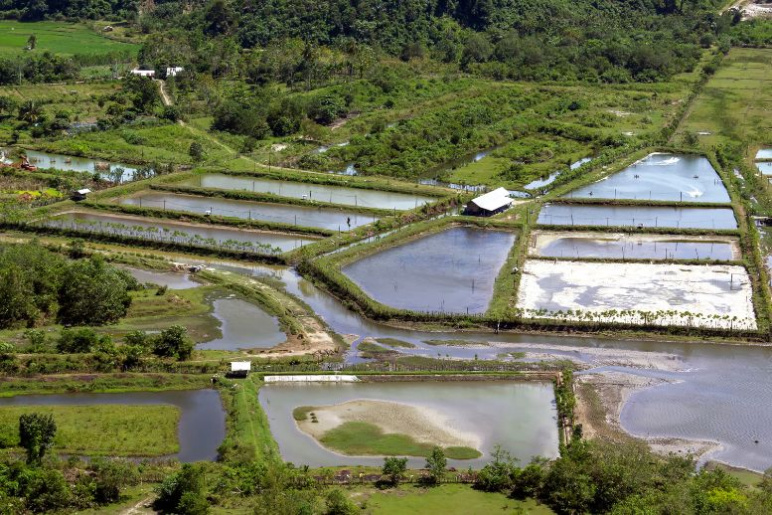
521 417
682 178
172 280
318 192
46 160
765 167
243 326
202 417
715 392
325 218
451 271
158 230
634 216
635 247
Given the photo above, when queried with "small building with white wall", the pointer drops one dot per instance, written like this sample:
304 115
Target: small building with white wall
172 71
143 73
489 204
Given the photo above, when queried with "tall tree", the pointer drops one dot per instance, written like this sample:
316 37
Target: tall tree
36 435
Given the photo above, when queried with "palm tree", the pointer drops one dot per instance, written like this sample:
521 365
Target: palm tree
30 112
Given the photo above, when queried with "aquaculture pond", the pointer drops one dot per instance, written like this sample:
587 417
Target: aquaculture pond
171 280
325 218
451 271
310 191
623 246
765 167
45 160
638 216
243 326
176 232
764 153
521 417
714 392
683 178
202 417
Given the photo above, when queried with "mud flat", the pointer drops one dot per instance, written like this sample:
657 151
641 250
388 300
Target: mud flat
424 425
632 246
711 296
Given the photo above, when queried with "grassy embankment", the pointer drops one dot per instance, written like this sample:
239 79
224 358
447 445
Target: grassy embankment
102 430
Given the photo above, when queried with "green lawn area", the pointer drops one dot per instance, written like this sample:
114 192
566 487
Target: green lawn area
446 499
108 430
58 37
735 103
362 438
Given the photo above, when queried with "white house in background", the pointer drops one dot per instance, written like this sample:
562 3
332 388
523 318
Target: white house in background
172 71
143 73
489 204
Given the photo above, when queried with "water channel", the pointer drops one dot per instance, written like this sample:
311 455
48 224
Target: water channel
202 417
325 218
322 193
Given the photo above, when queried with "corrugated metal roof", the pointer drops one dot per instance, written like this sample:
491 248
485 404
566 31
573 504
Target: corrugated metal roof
493 200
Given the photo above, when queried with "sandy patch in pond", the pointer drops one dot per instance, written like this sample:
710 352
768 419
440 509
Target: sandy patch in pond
424 425
715 296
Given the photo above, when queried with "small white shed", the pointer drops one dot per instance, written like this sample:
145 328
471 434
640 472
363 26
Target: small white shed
240 368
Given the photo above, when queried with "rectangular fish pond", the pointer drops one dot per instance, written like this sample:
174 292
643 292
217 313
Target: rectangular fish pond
711 296
201 427
683 178
637 216
319 192
178 232
359 423
325 218
632 246
452 271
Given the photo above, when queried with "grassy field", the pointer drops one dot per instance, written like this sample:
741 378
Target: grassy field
735 103
103 383
109 430
364 439
58 37
449 499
